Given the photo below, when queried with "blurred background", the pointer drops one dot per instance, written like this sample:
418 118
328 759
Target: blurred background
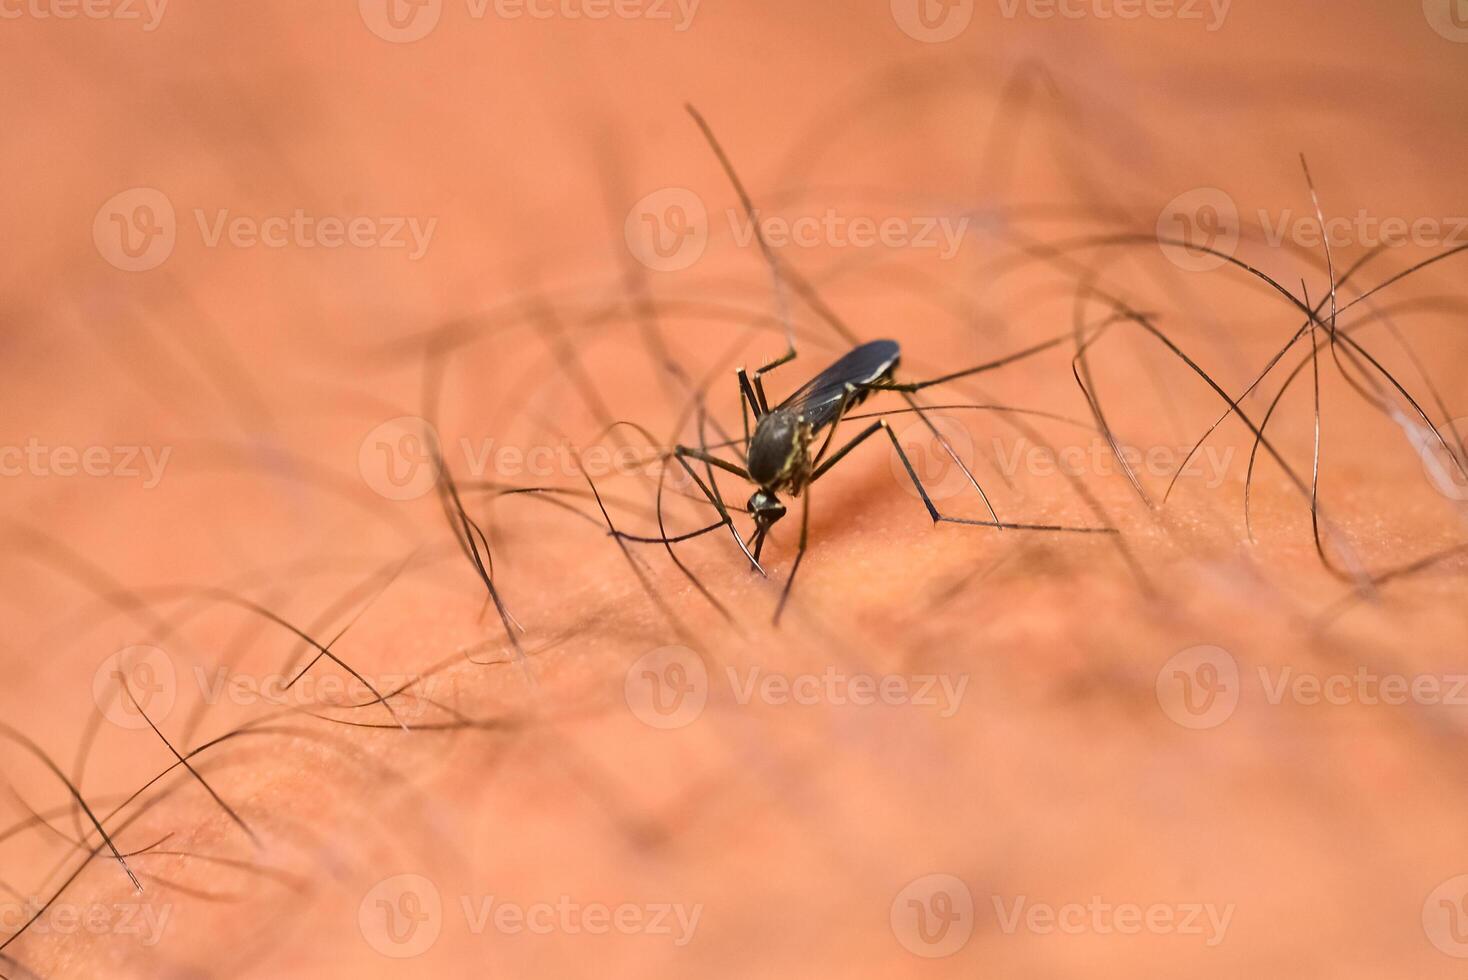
277 276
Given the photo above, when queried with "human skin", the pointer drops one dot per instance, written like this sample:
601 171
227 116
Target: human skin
1300 832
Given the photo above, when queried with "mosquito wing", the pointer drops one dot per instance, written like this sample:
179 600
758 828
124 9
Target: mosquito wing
819 399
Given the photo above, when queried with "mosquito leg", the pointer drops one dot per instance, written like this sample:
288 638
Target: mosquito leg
881 426
675 539
748 402
799 554
682 454
993 365
942 441
759 374
835 423
948 448
706 457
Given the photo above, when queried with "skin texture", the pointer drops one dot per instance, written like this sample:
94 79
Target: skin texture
1097 825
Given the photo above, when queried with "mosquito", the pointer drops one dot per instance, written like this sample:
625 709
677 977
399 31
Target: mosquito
779 457
783 458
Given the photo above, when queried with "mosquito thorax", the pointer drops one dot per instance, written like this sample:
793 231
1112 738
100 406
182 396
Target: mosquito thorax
777 449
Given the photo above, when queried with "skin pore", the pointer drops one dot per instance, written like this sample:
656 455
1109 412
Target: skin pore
1051 720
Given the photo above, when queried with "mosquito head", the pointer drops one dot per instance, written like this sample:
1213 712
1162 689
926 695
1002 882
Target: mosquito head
765 508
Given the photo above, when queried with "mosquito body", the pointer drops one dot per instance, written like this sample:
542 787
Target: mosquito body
786 452
779 458
781 454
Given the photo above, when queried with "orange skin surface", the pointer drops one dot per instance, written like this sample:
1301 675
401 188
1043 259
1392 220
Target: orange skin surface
1173 750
